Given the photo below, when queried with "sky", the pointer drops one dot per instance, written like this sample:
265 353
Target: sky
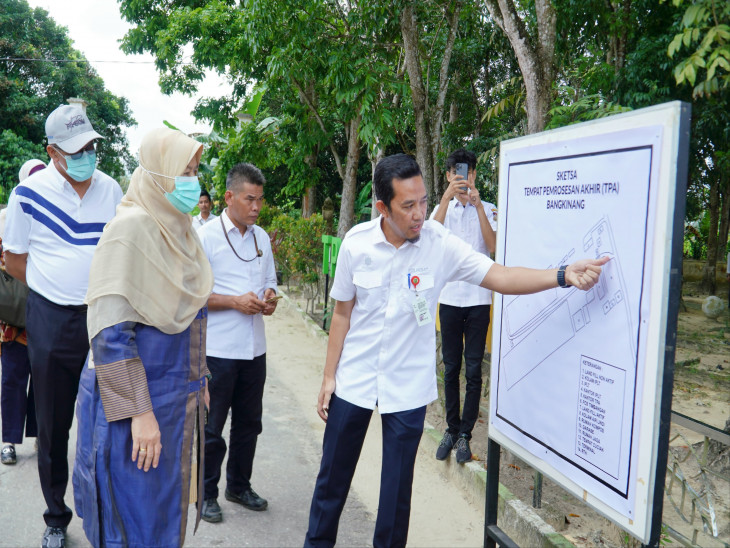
95 26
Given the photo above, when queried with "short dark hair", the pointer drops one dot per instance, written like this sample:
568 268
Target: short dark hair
244 173
205 193
397 166
461 156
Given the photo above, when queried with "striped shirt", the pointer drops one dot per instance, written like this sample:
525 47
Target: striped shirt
59 231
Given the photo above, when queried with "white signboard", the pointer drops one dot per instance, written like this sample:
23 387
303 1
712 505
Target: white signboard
576 375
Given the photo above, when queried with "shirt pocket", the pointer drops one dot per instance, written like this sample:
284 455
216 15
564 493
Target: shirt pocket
425 289
368 289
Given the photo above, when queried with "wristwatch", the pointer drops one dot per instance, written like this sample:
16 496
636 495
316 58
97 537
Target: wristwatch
561 276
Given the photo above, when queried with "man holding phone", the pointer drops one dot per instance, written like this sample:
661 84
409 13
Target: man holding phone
240 254
464 308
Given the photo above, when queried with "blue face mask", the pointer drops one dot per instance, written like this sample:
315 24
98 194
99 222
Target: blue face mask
186 194
81 169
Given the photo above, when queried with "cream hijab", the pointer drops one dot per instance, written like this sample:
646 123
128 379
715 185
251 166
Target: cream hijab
149 266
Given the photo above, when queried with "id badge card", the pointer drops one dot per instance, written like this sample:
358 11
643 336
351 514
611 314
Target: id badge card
420 309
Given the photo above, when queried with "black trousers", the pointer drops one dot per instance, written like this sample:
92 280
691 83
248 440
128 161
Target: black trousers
463 330
57 346
343 439
238 386
17 405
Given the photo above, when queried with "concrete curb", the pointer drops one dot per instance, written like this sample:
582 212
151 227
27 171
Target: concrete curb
313 327
516 518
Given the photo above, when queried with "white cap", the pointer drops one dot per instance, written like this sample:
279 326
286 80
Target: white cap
29 168
69 129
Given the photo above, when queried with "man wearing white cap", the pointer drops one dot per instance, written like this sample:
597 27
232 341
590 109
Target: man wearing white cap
55 219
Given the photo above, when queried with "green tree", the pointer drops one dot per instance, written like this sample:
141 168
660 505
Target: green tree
31 89
14 152
311 56
706 29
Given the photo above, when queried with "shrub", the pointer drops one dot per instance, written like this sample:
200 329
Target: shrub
297 247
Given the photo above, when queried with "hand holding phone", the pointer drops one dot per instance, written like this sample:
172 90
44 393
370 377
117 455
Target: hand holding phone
462 170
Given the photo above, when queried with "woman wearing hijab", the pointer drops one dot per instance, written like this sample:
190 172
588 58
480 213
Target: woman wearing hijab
142 391
17 407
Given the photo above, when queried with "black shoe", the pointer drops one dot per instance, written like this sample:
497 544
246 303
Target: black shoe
211 511
447 443
249 499
8 454
463 451
54 537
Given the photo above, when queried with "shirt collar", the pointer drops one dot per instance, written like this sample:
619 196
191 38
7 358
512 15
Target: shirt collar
61 181
379 235
229 226
456 203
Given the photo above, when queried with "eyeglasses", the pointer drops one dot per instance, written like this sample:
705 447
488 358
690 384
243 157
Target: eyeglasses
91 147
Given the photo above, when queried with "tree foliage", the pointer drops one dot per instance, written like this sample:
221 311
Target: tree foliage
706 29
349 82
30 89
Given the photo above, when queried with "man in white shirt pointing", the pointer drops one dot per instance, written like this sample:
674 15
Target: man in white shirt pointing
381 348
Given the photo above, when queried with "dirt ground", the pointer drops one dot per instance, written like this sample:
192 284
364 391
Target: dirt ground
701 391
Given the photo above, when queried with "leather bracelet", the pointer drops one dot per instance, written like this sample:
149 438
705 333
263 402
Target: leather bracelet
561 276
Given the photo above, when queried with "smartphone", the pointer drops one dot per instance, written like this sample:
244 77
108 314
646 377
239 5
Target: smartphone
463 170
273 299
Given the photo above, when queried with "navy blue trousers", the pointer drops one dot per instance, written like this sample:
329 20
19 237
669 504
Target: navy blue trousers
238 386
463 330
58 344
344 435
16 404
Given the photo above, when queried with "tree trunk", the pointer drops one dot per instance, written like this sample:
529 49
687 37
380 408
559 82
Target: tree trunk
708 272
621 12
309 202
723 248
374 159
419 97
437 118
349 182
535 54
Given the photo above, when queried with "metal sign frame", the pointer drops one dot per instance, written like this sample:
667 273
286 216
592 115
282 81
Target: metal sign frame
646 527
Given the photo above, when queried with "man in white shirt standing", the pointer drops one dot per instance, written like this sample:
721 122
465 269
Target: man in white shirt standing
204 205
463 307
382 342
55 219
245 290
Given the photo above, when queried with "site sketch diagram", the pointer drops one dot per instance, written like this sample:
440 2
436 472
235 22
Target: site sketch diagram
566 379
553 317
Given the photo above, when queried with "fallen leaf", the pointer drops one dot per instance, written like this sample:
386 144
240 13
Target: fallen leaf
574 515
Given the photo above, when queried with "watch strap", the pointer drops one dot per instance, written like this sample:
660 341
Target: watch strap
561 276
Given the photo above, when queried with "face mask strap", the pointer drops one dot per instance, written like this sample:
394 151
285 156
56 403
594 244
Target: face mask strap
151 173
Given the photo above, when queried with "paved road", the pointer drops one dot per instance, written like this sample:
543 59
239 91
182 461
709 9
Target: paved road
287 461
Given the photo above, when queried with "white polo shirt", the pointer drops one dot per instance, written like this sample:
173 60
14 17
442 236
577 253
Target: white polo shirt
387 359
464 222
233 334
59 231
198 220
